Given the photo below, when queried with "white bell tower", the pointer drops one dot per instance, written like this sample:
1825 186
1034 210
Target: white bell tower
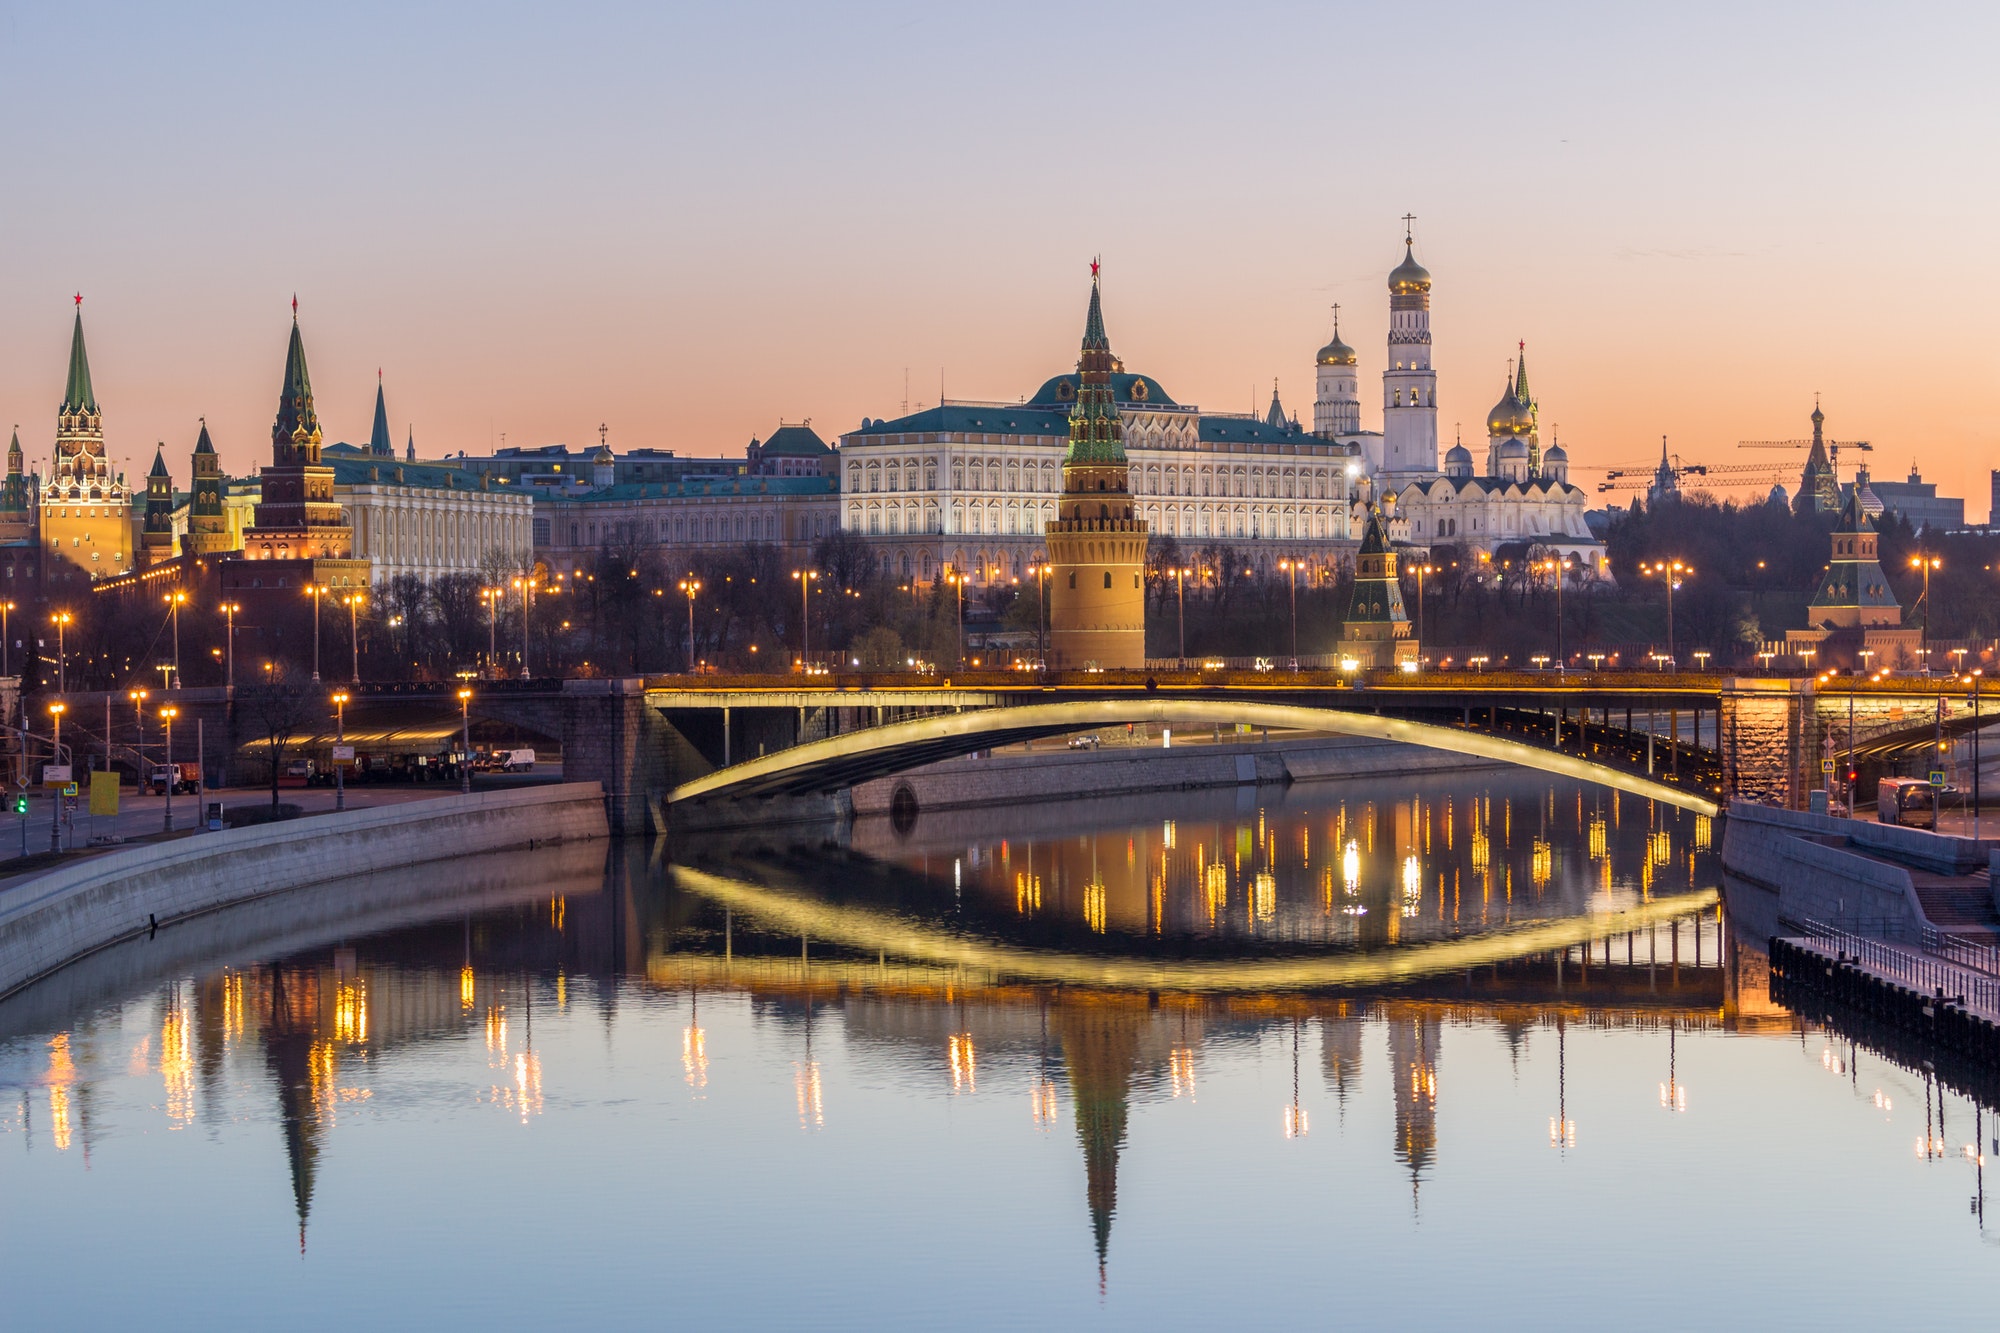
1409 385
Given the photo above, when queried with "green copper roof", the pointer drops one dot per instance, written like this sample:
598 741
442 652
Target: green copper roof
295 400
78 395
795 441
1095 433
1375 538
379 443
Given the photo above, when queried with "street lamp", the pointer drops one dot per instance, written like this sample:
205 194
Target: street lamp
1926 563
690 586
465 741
1701 656
339 739
1291 568
62 620
316 591
138 698
1669 572
523 583
1559 567
229 610
1180 592
167 715
56 711
1421 571
1767 656
1041 573
957 581
6 641
175 601
352 601
1478 664
805 578
1596 661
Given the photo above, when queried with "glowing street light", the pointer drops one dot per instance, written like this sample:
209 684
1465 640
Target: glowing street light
339 739
1180 592
465 741
6 641
1926 563
806 578
318 592
167 715
1670 573
138 698
1291 568
62 621
229 610
56 710
175 601
689 586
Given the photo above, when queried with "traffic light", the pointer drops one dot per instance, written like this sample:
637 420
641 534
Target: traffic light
20 805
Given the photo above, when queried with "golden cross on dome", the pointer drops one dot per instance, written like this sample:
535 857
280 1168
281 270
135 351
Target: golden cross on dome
1409 221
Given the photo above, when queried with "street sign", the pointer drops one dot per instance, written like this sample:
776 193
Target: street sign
55 775
103 792
1937 777
343 754
69 790
1826 765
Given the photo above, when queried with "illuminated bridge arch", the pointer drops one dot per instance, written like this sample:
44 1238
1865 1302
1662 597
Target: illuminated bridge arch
875 752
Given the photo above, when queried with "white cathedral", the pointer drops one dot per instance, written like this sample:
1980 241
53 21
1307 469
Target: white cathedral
1522 495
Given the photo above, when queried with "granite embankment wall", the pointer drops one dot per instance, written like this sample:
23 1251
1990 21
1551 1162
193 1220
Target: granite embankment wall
51 920
1046 775
1824 869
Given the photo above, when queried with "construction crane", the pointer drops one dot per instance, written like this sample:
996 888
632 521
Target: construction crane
1737 474
1833 448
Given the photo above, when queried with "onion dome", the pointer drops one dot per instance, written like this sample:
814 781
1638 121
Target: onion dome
1555 454
1336 353
603 457
1458 453
1409 278
1510 416
1512 449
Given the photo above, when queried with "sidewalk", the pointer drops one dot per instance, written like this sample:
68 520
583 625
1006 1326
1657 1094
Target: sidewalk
144 816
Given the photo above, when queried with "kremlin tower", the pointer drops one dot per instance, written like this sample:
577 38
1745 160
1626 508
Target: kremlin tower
86 511
297 517
1097 548
156 535
208 525
1337 402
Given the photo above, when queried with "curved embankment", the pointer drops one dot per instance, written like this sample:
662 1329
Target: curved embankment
73 911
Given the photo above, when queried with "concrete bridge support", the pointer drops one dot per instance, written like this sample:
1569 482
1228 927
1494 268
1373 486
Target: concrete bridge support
611 736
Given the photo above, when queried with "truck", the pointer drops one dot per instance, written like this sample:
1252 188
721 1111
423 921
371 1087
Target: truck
181 777
1907 801
516 761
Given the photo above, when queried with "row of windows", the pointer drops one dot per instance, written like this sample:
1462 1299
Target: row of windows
1147 478
1031 520
762 526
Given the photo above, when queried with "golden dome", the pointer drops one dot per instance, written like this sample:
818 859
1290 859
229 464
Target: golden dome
1336 353
1510 416
1409 278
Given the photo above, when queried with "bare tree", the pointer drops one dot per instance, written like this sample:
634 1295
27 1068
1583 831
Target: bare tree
280 707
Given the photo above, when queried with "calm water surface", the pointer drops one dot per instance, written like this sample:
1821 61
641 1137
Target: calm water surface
1432 1053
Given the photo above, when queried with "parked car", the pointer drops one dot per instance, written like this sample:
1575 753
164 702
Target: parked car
1084 742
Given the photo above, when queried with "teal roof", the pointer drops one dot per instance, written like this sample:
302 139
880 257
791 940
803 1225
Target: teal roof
78 396
795 441
355 467
717 486
1060 391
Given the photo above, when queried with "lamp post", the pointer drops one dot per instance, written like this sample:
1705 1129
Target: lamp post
317 591
805 578
1670 572
62 620
167 715
1975 753
352 601
1701 656
1926 563
1291 568
175 601
1596 661
339 739
690 586
1041 573
957 581
1180 593
56 710
138 698
1422 570
6 640
465 741
229 610
523 584
1560 567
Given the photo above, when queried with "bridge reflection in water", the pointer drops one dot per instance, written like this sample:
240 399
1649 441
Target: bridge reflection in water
1103 967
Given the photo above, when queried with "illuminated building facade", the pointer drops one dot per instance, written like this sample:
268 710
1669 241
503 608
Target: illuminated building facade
85 510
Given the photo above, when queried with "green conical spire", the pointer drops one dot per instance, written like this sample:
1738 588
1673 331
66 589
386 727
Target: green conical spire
204 445
1095 434
379 444
1521 380
297 421
160 461
78 397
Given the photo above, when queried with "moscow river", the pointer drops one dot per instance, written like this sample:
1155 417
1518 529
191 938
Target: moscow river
1430 1052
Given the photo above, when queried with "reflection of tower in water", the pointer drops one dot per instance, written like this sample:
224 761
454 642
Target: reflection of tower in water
1413 1056
1340 1056
1100 1045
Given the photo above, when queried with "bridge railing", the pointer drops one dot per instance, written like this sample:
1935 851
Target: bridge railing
1163 676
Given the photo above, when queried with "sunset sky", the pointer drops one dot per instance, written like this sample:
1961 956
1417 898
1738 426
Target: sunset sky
689 223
